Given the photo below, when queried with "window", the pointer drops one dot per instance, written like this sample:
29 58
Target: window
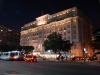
74 26
45 36
64 33
64 38
68 37
74 46
68 31
74 37
60 29
40 33
50 31
44 32
40 36
64 28
74 31
61 34
68 26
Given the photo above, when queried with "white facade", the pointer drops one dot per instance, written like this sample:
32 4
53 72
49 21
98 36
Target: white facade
68 23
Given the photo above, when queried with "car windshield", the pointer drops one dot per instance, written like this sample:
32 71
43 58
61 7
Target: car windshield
13 54
31 56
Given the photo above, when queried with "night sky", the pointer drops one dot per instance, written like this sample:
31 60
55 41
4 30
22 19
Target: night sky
16 13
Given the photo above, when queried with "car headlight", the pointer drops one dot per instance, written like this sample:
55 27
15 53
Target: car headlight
15 57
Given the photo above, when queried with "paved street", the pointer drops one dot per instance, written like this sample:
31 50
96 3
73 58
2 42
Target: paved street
47 68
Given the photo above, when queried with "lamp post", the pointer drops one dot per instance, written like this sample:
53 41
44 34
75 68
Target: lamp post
84 54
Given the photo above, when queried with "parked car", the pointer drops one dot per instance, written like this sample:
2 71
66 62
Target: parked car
91 58
77 58
30 58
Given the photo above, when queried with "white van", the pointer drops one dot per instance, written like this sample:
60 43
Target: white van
5 55
12 55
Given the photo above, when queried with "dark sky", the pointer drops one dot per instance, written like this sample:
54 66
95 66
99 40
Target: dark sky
16 13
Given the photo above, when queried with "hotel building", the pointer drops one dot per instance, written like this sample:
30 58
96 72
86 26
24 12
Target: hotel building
72 24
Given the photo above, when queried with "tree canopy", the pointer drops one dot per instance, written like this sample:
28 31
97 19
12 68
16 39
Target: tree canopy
6 48
55 42
96 42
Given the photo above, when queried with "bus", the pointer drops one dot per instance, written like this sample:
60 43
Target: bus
12 55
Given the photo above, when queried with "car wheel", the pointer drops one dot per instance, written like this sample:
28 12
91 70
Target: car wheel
25 61
35 60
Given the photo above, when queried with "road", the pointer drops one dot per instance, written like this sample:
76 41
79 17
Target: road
47 68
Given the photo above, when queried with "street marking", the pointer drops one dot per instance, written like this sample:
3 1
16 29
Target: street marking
22 74
17 73
12 72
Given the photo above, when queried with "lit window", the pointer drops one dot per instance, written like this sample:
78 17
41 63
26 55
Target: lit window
73 10
57 15
64 13
62 23
64 30
54 16
9 30
74 20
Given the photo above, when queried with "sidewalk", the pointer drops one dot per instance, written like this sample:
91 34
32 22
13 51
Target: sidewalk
95 63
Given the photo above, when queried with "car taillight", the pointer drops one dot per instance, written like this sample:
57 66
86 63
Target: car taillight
32 58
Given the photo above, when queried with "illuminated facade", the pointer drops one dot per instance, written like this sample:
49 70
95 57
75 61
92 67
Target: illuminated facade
9 36
70 23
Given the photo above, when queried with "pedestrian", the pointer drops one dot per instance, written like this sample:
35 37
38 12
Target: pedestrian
58 58
62 58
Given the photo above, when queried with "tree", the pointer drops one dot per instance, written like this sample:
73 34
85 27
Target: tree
27 48
54 41
96 43
6 48
67 45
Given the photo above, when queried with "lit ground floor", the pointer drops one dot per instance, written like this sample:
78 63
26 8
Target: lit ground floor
78 49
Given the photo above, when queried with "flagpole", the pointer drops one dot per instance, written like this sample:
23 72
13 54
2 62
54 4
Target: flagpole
42 12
